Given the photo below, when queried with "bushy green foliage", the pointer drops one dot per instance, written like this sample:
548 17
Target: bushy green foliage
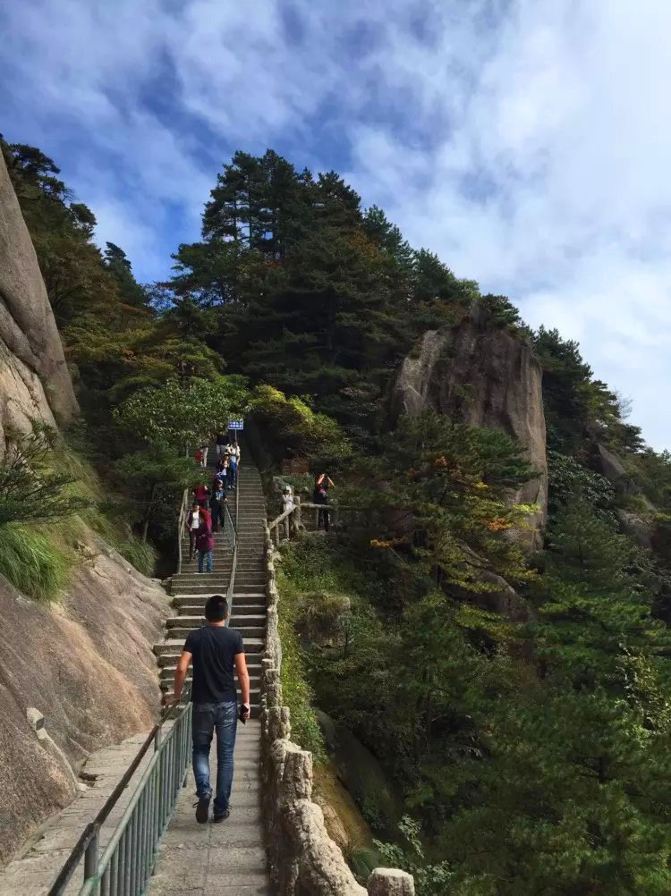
296 692
154 480
291 428
569 480
430 880
523 776
440 494
182 415
33 562
579 410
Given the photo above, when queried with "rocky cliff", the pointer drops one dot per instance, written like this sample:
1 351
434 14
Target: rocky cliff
483 377
87 666
34 378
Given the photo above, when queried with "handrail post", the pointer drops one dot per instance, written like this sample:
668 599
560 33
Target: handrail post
91 855
297 513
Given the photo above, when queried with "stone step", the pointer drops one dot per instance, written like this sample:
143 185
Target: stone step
169 661
196 621
254 664
180 599
220 570
247 631
173 647
194 608
167 681
242 587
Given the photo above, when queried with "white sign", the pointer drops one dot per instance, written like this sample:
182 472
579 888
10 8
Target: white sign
236 424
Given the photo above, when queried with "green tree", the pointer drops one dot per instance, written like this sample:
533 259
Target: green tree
153 479
180 415
30 488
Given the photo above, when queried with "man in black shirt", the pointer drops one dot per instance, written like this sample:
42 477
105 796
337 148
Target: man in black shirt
215 650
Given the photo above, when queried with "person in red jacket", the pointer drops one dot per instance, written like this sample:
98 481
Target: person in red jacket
205 546
201 494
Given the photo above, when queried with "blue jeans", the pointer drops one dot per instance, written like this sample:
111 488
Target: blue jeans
205 557
208 717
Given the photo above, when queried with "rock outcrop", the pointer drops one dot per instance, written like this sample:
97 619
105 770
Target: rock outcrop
612 468
34 379
483 377
87 665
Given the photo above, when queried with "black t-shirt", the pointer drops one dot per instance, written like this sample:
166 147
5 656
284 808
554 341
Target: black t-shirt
213 649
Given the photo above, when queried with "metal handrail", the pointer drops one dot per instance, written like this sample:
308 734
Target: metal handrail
87 847
183 510
127 861
234 563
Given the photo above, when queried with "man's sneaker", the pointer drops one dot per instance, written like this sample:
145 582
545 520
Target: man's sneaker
202 809
217 818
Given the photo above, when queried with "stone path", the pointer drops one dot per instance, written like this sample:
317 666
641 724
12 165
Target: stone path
224 859
227 858
34 872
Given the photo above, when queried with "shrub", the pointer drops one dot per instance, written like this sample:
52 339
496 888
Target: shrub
296 692
291 428
140 553
32 562
30 489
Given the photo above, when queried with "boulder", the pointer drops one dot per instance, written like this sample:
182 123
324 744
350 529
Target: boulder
482 377
34 379
613 469
639 527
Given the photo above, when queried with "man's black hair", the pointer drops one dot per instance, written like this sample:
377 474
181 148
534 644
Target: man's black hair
216 608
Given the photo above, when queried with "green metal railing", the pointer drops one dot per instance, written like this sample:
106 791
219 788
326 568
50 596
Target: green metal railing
126 862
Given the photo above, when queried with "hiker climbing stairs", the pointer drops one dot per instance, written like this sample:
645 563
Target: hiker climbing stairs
190 589
227 858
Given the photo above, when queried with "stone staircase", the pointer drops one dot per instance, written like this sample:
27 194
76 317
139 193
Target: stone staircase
190 589
227 859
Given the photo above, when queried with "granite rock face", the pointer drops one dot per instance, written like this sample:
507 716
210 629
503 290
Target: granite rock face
34 379
482 377
87 665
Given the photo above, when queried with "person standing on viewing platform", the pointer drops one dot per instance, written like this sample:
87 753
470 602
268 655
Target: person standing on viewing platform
323 483
215 651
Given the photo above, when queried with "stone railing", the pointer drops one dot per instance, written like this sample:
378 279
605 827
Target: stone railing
304 860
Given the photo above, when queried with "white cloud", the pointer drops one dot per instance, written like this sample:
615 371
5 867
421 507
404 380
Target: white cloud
526 141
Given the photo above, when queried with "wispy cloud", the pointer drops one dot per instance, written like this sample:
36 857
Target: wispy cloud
526 141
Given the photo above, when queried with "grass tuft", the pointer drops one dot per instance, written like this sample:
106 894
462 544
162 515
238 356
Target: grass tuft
32 562
141 554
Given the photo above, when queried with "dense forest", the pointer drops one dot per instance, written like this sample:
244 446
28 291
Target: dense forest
525 753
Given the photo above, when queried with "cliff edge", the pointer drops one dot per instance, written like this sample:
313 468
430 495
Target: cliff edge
34 378
483 377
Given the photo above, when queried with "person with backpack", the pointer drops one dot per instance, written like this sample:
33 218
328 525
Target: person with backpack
192 526
217 502
215 651
232 471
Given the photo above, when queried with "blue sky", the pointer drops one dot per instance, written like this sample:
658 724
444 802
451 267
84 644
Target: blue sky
527 142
